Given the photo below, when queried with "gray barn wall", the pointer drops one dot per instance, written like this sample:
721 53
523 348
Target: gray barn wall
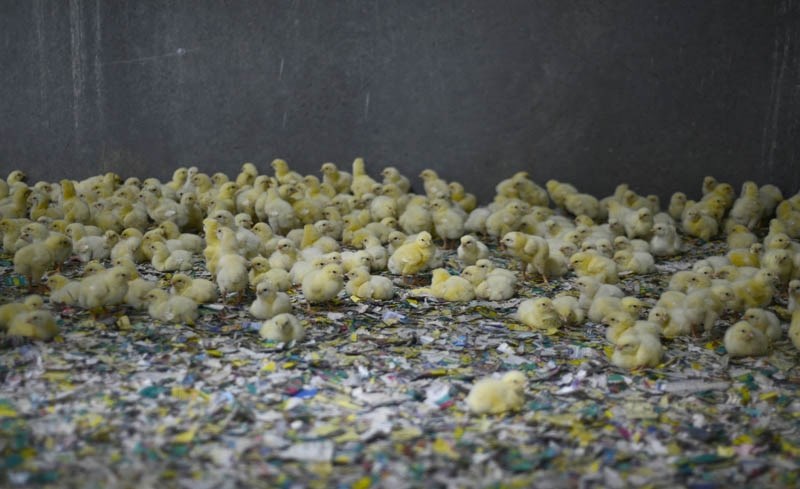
657 93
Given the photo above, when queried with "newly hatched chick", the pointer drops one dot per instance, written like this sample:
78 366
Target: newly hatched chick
261 270
411 258
637 262
594 265
528 249
794 329
603 306
269 301
745 340
471 250
766 321
590 288
36 325
496 396
35 259
371 287
62 290
496 286
282 328
448 221
637 349
12 309
165 261
756 291
539 313
700 225
620 321
665 240
451 287
794 296
199 290
740 237
169 308
232 275
320 286
104 289
569 310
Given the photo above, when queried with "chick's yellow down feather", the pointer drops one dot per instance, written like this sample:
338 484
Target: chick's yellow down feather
766 321
411 258
365 286
323 285
451 287
794 329
12 309
232 275
539 313
199 290
471 250
269 301
497 396
637 349
282 328
169 308
745 340
36 325
103 289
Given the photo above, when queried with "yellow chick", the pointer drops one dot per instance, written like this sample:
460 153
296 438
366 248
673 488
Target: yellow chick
165 261
496 396
620 321
269 301
284 256
200 290
260 270
371 287
12 309
450 287
416 217
794 296
756 291
665 240
447 221
636 262
696 223
62 290
637 349
539 313
505 220
528 249
36 325
232 275
411 258
467 201
595 265
282 328
283 173
794 329
569 310
605 305
496 287
590 288
780 262
745 257
471 250
639 224
104 289
392 175
34 260
338 179
169 308
320 286
362 183
766 321
747 208
677 203
745 340
740 237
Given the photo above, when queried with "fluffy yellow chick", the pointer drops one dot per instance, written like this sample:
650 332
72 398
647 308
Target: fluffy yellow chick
471 250
539 313
282 328
323 285
637 262
740 236
756 291
766 321
665 240
496 396
747 208
199 290
371 287
232 275
696 223
362 182
677 202
595 265
392 175
794 329
10 310
416 217
411 258
620 321
505 220
36 325
780 262
269 301
496 287
261 270
745 340
284 256
62 290
165 261
590 288
605 305
34 260
637 349
104 289
794 296
639 224
450 287
169 308
447 221
745 257
338 179
528 249
569 310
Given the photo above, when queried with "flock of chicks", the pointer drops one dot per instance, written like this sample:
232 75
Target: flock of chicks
273 233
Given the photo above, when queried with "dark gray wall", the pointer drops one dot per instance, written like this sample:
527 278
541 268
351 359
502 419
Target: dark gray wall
658 93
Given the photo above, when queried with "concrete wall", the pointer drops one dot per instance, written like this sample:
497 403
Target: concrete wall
652 92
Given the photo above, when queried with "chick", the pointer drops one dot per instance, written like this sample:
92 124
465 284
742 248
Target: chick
590 288
677 202
35 259
411 258
603 306
637 262
637 349
269 301
595 265
780 262
36 325
496 286
756 291
496 396
371 287
539 313
766 321
282 328
747 208
62 290
199 290
323 285
232 275
794 296
451 287
284 256
569 310
392 175
260 270
104 289
528 249
165 261
745 340
639 224
794 329
620 321
696 223
665 240
471 250
740 237
447 221
10 310
169 308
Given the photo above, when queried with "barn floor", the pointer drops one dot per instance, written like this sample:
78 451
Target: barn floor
374 398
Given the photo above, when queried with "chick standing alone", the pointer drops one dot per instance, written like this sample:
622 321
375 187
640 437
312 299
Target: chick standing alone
269 301
744 340
282 328
496 396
